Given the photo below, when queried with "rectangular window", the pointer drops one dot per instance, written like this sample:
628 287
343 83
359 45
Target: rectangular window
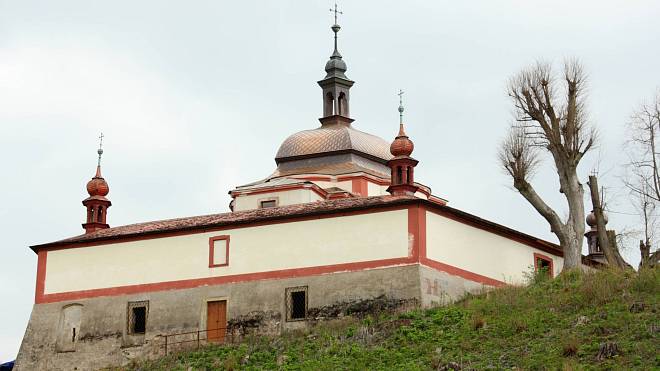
296 303
267 203
542 262
137 317
219 251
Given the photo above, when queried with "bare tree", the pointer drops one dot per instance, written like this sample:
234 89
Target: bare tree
643 178
606 239
550 117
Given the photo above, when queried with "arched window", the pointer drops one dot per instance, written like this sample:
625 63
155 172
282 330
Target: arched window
341 102
99 215
409 178
399 175
328 108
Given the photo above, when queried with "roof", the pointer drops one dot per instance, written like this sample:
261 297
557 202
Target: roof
332 164
333 138
233 218
269 183
200 223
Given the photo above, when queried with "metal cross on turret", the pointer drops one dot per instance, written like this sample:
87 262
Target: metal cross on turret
100 150
336 12
400 94
335 84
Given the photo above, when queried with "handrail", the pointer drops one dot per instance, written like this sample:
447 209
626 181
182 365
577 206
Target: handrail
221 338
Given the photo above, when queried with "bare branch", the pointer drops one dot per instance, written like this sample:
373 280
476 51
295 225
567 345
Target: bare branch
518 155
551 116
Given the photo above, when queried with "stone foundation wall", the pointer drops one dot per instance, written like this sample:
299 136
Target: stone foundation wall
440 288
102 338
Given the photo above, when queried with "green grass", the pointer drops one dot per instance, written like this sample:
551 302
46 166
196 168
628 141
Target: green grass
551 324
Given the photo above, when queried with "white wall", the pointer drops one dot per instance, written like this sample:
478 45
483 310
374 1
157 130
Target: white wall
376 190
479 251
288 197
346 185
318 242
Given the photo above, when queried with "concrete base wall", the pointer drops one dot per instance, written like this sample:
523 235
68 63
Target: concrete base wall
102 338
252 307
440 288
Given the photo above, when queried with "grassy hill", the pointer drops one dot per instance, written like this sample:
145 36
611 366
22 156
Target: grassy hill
556 324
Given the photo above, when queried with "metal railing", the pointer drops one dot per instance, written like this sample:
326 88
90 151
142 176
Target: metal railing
195 339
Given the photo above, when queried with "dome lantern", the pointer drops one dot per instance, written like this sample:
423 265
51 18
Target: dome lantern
402 165
97 205
335 85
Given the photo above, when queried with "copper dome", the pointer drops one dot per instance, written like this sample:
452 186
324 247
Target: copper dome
402 145
333 138
98 186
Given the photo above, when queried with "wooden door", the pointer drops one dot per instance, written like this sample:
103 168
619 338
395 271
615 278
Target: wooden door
216 320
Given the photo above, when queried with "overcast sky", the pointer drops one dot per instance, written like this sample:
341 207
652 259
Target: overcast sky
194 98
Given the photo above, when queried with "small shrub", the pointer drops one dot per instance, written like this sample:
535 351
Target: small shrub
570 347
230 363
519 325
478 322
536 276
646 280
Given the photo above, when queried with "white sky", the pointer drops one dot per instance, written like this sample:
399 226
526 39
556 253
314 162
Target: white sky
194 98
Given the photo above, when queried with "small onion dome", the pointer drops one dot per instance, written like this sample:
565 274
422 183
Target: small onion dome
402 145
591 219
98 186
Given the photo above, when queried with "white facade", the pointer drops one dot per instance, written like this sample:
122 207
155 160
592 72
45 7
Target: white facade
282 198
479 251
267 248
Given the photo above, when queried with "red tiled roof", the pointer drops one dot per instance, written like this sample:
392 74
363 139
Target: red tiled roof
238 217
300 210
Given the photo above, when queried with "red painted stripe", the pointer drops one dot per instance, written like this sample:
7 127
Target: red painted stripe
442 267
42 255
421 222
184 284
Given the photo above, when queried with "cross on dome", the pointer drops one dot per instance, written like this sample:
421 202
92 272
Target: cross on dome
100 150
97 204
402 145
400 94
336 12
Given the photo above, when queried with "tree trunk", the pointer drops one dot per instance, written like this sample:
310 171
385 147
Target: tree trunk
574 194
606 239
644 252
572 247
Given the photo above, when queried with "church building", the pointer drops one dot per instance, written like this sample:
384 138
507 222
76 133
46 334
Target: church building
341 220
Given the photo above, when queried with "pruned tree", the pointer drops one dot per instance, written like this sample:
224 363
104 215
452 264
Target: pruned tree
606 239
550 117
643 178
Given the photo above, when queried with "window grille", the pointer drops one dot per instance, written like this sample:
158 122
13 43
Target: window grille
296 303
137 317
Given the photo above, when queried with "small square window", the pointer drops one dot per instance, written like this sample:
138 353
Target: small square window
542 262
268 203
296 303
219 251
137 317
